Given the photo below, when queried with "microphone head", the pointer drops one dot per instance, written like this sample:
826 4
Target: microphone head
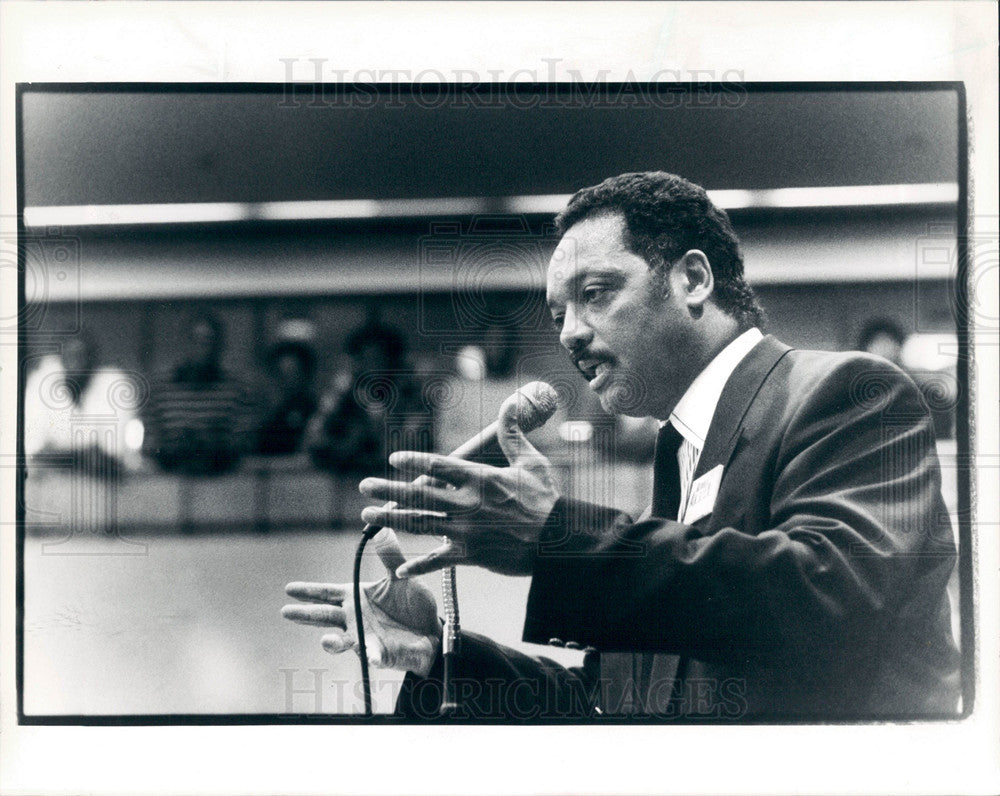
536 403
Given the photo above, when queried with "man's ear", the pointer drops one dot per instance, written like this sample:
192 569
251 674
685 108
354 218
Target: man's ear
698 280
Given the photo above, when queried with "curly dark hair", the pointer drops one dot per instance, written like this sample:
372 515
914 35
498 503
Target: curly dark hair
666 216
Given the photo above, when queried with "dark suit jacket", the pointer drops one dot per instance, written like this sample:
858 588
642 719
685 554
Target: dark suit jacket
814 589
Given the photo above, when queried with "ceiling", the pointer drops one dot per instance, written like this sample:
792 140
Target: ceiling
169 145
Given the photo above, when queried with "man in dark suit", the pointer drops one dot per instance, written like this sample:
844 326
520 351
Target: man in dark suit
794 561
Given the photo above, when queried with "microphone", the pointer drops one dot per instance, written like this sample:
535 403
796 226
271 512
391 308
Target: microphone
536 403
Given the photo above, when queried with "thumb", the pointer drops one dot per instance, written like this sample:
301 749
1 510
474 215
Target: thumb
375 651
388 549
512 439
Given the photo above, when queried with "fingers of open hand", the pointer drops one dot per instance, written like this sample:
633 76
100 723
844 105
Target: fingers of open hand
431 495
513 442
335 643
330 593
410 520
388 549
449 469
322 615
403 492
375 650
447 555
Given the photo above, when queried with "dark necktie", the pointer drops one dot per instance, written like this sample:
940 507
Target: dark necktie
633 682
667 473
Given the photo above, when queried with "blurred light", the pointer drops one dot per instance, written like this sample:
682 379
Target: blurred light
850 196
296 330
370 208
542 204
471 363
283 211
114 215
734 200
135 432
576 431
923 352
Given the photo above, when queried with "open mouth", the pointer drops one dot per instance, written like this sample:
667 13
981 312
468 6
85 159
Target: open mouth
593 370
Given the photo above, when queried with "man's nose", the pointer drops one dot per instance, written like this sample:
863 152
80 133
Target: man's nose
574 333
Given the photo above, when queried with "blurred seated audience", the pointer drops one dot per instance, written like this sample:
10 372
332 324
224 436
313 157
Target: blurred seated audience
291 363
75 408
199 418
373 407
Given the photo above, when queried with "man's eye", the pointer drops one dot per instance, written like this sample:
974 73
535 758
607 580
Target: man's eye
557 322
594 292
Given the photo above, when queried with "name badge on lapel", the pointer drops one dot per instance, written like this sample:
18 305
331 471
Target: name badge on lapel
702 497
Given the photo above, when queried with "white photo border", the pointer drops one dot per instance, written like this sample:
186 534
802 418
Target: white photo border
137 42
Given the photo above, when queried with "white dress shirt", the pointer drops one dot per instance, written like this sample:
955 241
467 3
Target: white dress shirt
694 411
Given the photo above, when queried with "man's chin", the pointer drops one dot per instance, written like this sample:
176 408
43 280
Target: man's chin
623 399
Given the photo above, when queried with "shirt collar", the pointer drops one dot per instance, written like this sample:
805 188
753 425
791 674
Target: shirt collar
694 411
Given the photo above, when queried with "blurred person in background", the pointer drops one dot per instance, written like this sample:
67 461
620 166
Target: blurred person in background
291 363
372 408
884 338
933 373
74 406
199 418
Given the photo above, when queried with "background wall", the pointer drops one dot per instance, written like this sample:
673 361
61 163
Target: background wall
819 276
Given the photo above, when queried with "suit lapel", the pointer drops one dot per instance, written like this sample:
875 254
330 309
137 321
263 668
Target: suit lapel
741 388
626 677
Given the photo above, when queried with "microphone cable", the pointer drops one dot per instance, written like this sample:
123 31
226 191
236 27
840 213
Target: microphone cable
366 683
449 638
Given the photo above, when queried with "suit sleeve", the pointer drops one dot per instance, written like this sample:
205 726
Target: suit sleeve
496 682
856 533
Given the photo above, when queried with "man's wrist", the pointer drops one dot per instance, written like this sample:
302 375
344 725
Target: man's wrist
575 526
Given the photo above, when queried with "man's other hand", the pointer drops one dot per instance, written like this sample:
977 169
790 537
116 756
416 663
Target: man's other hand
402 629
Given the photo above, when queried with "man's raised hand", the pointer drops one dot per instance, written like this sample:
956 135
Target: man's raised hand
492 516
